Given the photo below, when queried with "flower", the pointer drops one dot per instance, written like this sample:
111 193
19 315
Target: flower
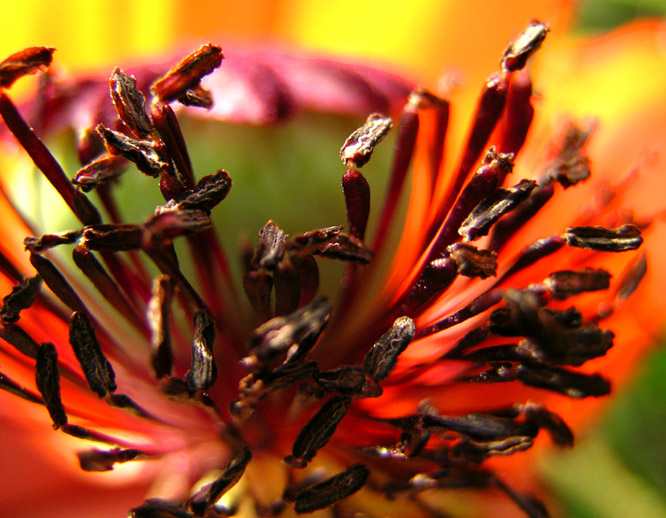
430 365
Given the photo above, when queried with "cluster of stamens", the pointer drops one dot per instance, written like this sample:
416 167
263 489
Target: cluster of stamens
513 334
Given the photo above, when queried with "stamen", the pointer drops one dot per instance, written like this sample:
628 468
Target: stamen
101 460
517 53
149 156
567 283
279 334
318 431
187 74
203 372
158 319
129 103
631 277
408 128
490 108
17 337
99 172
158 508
56 282
358 148
47 379
14 388
21 297
357 200
479 187
382 357
107 287
211 493
168 127
95 366
47 164
24 62
493 207
626 237
504 229
46 241
472 262
332 490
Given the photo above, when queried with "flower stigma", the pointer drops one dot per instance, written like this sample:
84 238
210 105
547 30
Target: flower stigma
291 401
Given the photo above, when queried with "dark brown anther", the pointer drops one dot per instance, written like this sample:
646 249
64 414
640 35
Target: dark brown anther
48 383
348 381
504 229
158 508
516 54
15 335
472 262
208 192
312 241
203 371
345 248
88 351
103 460
570 383
211 493
113 237
318 431
129 103
496 205
358 148
299 328
271 245
357 200
168 224
567 283
99 172
25 62
158 319
148 155
21 297
187 74
41 243
569 166
197 97
549 421
575 169
626 237
480 186
56 282
382 357
254 387
332 489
